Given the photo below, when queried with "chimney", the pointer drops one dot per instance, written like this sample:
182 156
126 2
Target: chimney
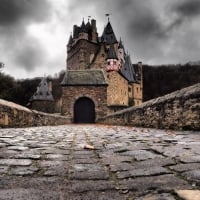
94 31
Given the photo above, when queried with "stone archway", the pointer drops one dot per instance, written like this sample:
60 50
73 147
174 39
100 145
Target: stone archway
84 111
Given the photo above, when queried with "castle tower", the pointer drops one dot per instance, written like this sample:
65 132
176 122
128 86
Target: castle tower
82 46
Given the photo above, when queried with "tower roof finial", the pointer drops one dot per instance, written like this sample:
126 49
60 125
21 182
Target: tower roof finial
108 15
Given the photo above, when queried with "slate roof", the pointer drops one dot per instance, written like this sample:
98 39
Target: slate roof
111 53
84 77
108 35
43 93
127 70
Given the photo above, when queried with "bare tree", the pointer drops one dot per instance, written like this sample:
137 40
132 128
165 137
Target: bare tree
2 65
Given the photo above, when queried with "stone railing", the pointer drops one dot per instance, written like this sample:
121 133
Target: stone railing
177 110
13 115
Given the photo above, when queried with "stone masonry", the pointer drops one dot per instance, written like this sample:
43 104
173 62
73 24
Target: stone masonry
127 163
96 93
13 115
178 110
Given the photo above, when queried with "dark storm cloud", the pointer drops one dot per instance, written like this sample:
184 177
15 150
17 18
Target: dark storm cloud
153 31
138 19
188 9
134 16
13 12
185 11
15 41
136 22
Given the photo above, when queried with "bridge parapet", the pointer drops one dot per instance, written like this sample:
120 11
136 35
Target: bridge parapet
177 110
14 115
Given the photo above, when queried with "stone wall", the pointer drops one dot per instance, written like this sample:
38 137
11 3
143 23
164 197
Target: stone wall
117 90
178 110
137 93
13 115
43 106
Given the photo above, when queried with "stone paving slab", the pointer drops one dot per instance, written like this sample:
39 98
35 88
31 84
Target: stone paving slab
126 163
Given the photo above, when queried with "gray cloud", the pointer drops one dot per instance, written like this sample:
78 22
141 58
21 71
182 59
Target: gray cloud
30 54
153 31
185 11
150 30
188 9
15 42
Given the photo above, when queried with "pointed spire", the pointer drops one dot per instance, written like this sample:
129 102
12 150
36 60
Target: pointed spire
70 39
88 25
121 46
108 35
83 27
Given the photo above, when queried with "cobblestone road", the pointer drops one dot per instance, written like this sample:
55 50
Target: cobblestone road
127 163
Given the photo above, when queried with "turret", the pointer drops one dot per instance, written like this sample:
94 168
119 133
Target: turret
121 53
112 60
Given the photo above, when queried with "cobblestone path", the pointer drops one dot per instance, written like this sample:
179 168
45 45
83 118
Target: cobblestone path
127 163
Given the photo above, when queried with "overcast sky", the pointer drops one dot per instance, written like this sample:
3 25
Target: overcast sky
34 33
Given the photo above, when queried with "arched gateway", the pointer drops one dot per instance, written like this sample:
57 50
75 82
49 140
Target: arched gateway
84 110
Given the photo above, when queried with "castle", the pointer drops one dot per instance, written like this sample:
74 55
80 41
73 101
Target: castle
100 78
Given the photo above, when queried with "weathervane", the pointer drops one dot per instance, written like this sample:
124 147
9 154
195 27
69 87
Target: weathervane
108 15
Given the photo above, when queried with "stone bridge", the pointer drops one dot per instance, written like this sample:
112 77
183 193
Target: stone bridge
179 110
99 162
103 161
